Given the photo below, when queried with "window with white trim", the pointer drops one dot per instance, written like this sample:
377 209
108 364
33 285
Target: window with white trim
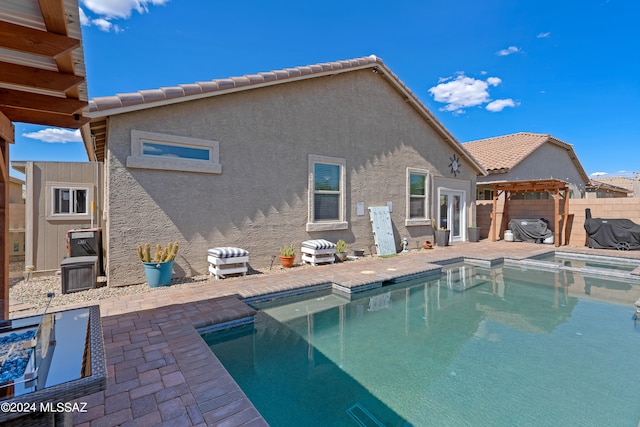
327 204
150 150
69 201
417 211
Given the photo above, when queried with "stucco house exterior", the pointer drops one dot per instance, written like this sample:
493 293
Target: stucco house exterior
272 159
527 156
59 197
615 186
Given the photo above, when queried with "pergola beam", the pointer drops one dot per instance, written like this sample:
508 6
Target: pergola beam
5 124
37 78
43 118
23 39
37 102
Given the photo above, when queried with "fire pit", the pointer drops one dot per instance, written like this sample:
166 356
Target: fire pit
48 361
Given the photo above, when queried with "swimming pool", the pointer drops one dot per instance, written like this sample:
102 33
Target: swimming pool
476 346
591 261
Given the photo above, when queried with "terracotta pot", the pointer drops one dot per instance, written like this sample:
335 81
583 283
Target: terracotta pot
427 244
287 261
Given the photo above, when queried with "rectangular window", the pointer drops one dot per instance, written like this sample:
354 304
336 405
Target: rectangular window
165 150
417 212
69 201
327 204
417 196
150 150
326 192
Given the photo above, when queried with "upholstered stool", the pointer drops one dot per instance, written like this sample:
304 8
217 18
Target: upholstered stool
227 260
318 251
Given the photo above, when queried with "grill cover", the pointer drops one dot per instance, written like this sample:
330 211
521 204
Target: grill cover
530 230
621 234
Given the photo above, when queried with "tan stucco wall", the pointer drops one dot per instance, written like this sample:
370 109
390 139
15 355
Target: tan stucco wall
45 237
259 201
546 162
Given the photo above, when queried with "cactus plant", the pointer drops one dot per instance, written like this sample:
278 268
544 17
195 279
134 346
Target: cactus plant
160 255
341 246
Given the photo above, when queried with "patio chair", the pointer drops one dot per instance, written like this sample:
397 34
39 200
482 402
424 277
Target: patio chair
318 251
227 260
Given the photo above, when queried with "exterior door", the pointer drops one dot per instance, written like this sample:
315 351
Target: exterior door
452 213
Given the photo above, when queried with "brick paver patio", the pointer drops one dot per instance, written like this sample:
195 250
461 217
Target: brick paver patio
161 372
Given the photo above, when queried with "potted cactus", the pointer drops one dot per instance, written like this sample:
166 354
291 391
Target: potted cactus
341 250
287 256
159 267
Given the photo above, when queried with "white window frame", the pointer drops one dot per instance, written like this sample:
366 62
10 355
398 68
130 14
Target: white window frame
408 222
51 188
327 225
144 161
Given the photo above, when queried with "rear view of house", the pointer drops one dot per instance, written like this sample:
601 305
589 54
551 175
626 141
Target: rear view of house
272 159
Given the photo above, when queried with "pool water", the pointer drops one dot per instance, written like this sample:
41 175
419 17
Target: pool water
477 346
569 260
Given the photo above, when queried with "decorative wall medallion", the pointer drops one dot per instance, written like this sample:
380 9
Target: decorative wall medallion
454 165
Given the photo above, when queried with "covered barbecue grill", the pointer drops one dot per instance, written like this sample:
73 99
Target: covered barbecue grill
621 234
531 230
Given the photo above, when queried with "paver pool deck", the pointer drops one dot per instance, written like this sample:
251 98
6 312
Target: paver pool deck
161 372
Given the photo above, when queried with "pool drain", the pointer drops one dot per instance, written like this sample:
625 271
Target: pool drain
363 417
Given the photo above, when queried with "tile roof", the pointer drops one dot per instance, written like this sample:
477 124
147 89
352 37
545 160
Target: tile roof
502 153
505 152
148 98
615 181
102 107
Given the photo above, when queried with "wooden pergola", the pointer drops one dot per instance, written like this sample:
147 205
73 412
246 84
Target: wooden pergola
42 81
556 188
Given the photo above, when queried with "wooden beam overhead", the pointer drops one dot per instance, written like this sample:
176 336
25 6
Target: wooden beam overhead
38 102
7 129
32 77
36 42
53 16
44 118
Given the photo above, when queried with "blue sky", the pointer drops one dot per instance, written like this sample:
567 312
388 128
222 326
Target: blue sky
484 68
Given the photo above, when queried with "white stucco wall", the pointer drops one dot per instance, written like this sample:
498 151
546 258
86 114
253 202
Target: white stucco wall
259 201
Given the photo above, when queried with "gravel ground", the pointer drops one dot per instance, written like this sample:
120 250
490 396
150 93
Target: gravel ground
32 294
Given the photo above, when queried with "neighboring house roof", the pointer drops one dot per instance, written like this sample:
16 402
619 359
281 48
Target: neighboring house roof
596 185
502 153
616 181
102 107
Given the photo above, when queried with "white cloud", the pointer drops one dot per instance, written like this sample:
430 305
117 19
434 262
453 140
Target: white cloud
105 25
108 10
508 51
84 20
599 174
120 9
463 92
544 35
500 104
55 135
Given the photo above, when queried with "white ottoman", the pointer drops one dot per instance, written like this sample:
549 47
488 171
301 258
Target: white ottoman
227 260
318 251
